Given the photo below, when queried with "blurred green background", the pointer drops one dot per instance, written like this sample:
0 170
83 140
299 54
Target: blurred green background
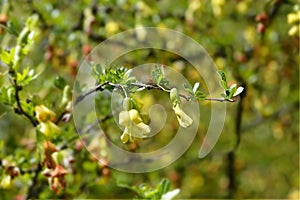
256 43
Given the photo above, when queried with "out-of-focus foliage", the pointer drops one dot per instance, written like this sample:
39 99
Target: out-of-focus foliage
255 42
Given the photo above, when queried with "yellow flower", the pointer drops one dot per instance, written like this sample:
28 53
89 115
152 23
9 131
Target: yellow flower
134 125
44 114
293 17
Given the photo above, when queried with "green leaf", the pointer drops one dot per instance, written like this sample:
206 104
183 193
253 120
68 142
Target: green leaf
223 81
6 57
60 82
40 138
164 186
232 90
26 76
224 84
222 75
28 108
124 185
188 88
7 96
10 28
158 76
200 95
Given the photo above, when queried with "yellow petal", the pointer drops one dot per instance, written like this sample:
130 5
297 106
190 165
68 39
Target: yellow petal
44 114
144 128
294 30
54 128
124 118
124 137
135 132
292 18
135 116
49 128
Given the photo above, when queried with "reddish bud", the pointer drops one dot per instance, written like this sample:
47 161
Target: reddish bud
262 17
78 145
261 28
73 63
48 56
106 172
3 18
15 172
86 49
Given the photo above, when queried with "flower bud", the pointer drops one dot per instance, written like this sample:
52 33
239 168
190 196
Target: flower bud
66 96
111 28
183 119
126 103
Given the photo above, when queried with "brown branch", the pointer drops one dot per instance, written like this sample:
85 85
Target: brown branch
33 190
231 171
19 108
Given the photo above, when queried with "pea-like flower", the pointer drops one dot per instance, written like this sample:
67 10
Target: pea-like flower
183 119
133 123
44 114
46 117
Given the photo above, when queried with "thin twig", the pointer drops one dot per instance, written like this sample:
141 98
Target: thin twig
219 99
99 87
148 86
